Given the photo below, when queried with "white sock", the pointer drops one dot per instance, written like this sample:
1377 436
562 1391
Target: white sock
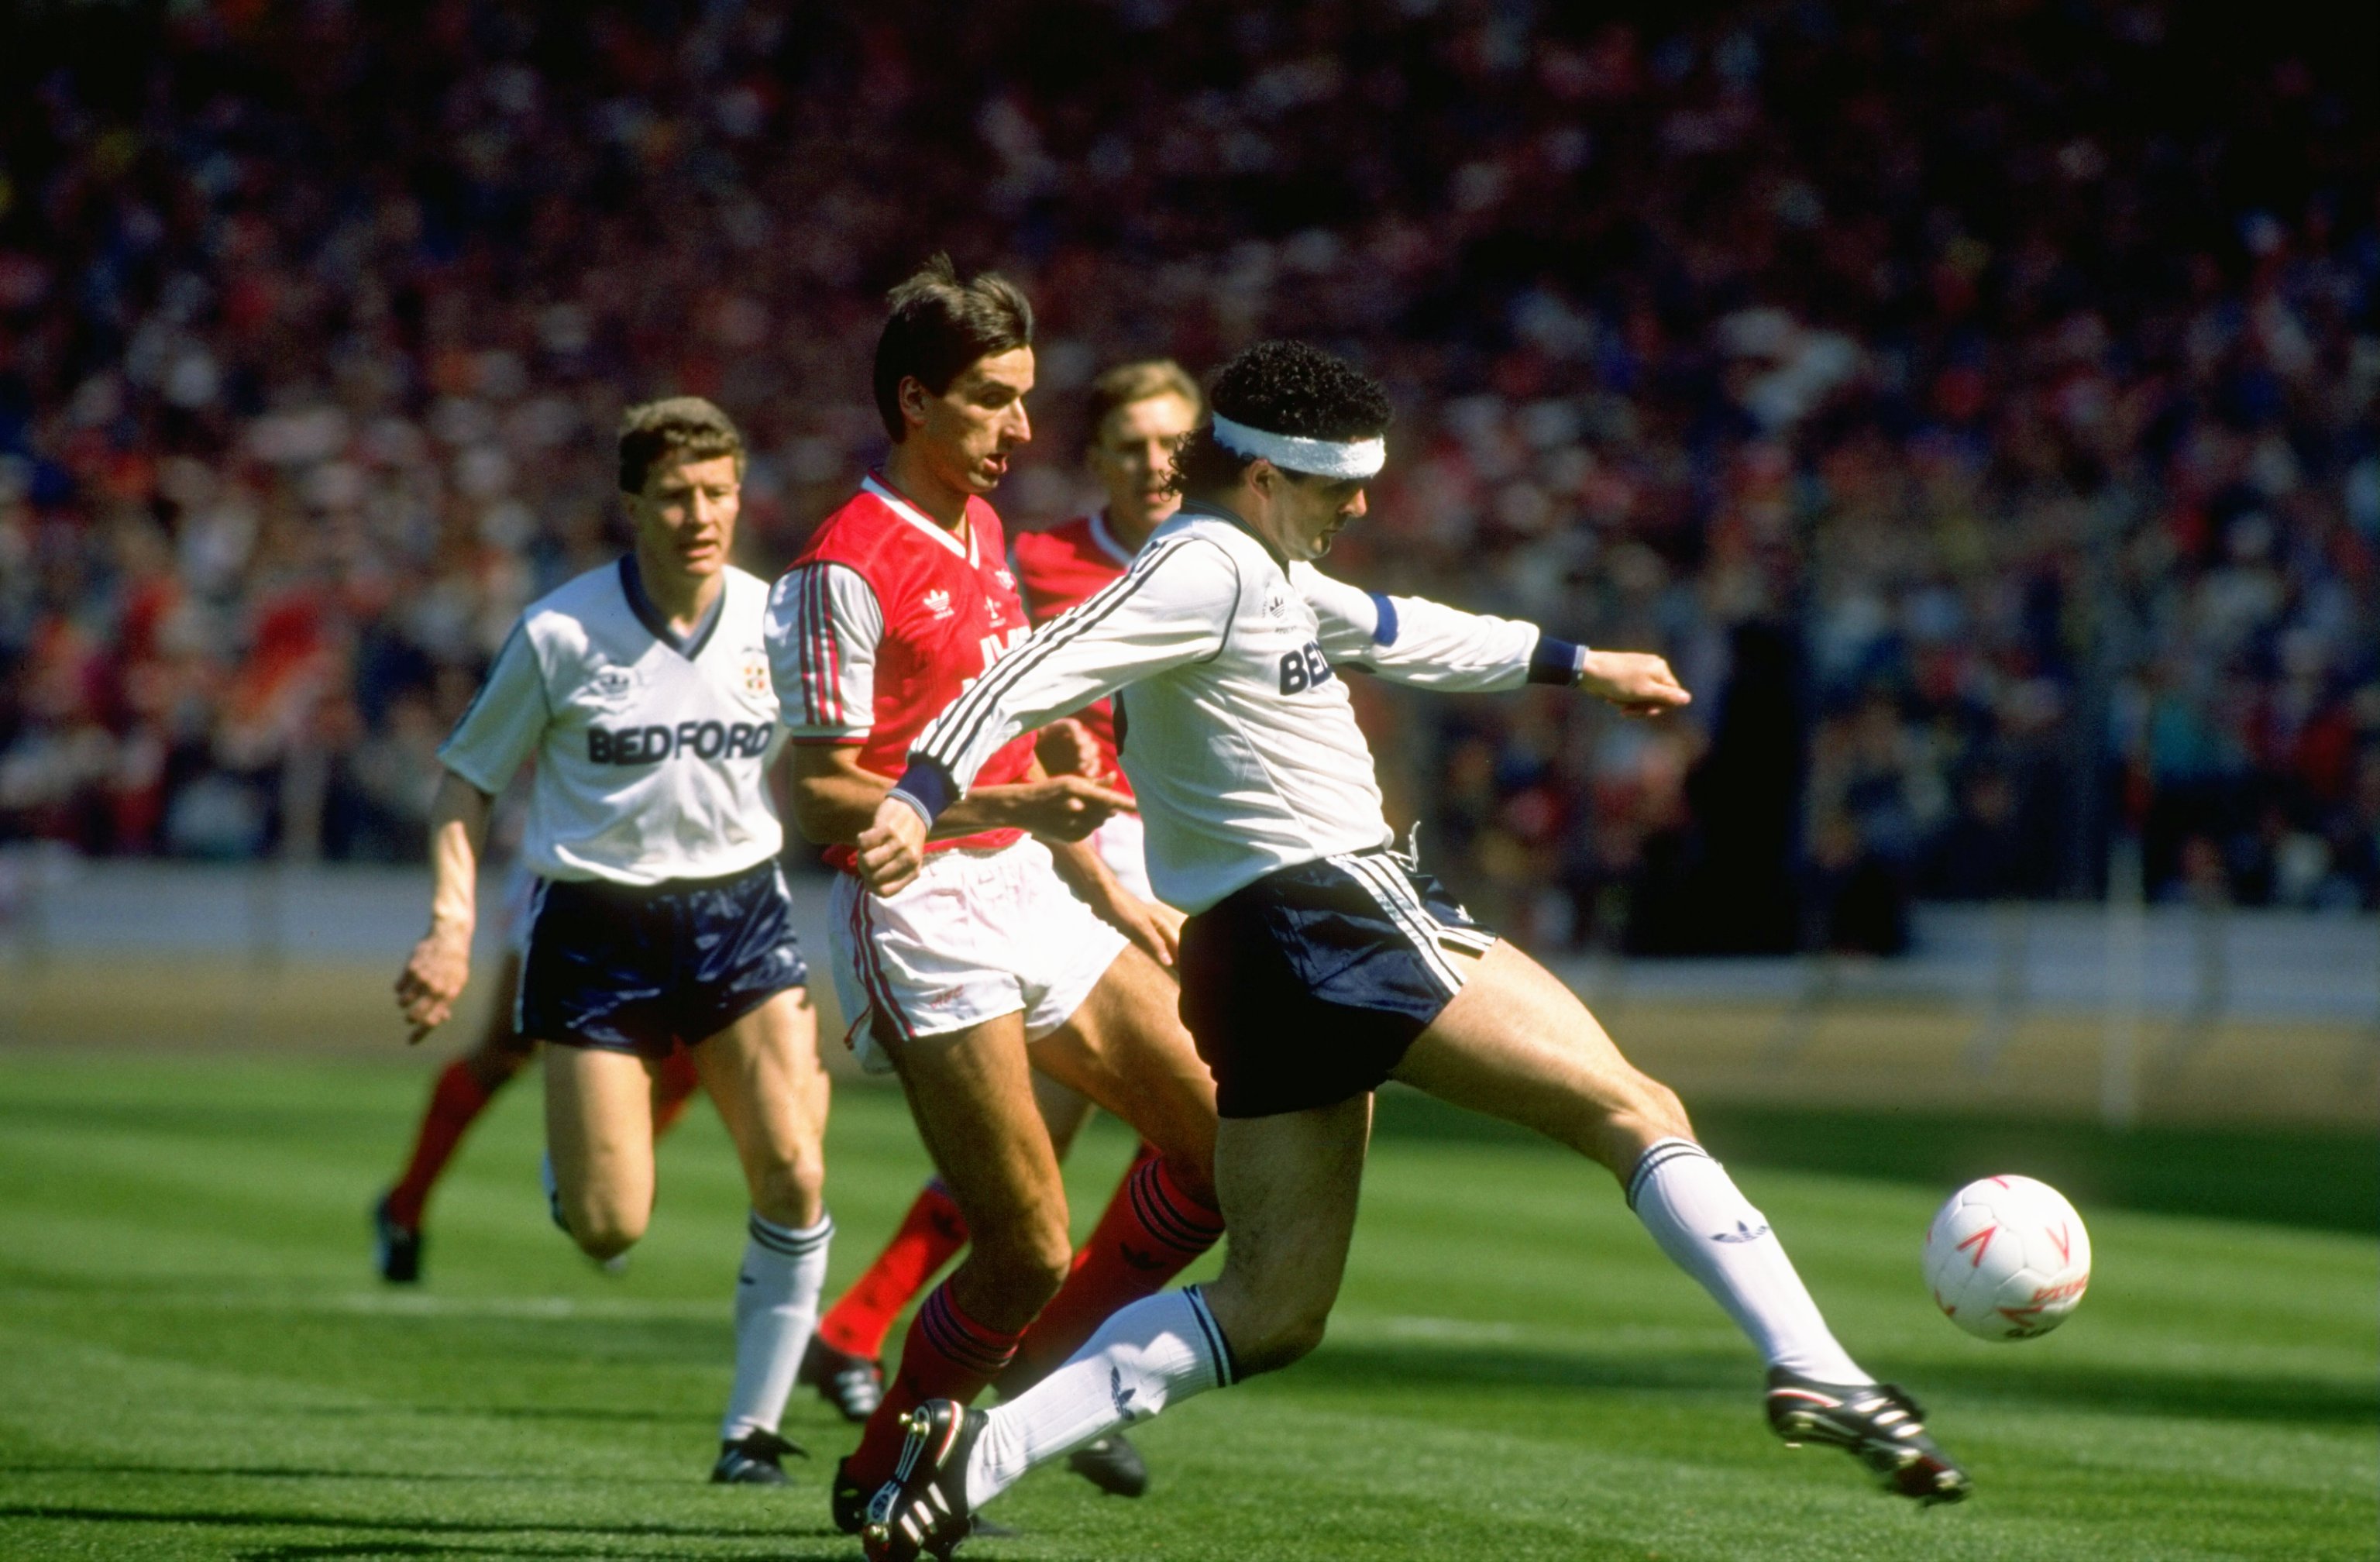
1710 1230
776 1306
1155 1353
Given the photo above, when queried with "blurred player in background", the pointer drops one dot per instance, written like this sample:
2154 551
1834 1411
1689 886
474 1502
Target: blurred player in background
1319 963
990 969
661 917
469 1084
1139 413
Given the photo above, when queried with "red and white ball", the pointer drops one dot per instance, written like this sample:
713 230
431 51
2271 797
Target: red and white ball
2007 1258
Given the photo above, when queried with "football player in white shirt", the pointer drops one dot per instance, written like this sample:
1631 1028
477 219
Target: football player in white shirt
1317 963
661 917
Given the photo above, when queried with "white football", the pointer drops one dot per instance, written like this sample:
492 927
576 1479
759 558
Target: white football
2007 1258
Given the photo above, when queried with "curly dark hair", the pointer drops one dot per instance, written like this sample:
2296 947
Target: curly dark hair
937 325
1281 388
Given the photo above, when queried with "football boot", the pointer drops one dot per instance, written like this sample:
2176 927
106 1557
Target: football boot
848 1499
1878 1425
923 1509
1111 1464
757 1459
396 1250
852 1384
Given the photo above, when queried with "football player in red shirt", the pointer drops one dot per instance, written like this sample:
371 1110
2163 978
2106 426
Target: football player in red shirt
988 967
1139 413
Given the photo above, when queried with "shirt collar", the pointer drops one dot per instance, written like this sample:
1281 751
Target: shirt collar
1104 535
1224 512
892 499
648 612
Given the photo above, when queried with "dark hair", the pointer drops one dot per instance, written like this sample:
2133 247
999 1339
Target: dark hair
1281 388
937 326
676 427
1144 380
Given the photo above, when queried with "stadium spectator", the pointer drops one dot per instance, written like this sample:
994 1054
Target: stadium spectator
2018 371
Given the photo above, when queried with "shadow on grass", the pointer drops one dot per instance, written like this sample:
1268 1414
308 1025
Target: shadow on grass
1371 1369
431 1548
272 1473
545 1413
828 1543
2325 1179
498 1412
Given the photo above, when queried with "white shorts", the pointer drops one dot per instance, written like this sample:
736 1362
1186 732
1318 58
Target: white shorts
979 934
1122 844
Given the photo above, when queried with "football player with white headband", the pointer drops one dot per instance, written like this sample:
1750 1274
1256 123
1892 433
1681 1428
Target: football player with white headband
1316 962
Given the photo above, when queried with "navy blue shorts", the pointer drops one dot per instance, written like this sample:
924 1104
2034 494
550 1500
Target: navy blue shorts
642 969
1305 987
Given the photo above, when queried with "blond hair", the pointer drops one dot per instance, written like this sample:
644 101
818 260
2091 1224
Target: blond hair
1143 380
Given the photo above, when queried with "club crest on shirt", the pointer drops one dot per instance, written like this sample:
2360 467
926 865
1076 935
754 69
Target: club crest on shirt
755 671
938 602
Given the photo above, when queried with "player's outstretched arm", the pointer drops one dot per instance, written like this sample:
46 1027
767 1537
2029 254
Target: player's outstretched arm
834 801
1062 810
1639 683
1429 645
441 963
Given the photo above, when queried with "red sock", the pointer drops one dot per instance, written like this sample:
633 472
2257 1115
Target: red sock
1150 1232
946 1356
931 1234
674 1083
454 1100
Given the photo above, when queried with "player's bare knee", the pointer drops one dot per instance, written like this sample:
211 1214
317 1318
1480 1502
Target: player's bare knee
793 1191
1657 1109
1648 1111
1025 1269
1053 1257
604 1235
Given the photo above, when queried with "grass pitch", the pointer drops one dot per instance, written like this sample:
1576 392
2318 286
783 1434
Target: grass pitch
196 1362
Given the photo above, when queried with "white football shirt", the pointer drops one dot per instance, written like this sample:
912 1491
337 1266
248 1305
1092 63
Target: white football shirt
652 752
1233 722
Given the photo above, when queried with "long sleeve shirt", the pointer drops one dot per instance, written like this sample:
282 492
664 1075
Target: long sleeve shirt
1234 723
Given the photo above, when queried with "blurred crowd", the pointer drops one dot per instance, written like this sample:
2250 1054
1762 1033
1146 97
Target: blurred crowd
1977 404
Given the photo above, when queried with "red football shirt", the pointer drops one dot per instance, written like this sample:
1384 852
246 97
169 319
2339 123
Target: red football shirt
1058 568
885 618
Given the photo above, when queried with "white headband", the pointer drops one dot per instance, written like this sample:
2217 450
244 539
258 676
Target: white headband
1316 458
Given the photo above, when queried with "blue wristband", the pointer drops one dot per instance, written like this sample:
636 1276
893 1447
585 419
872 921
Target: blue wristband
1556 661
927 787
